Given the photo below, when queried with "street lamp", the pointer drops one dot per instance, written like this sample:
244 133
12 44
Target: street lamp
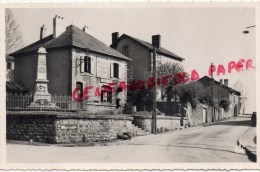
246 31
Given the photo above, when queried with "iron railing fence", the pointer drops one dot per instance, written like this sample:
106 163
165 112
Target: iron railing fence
19 102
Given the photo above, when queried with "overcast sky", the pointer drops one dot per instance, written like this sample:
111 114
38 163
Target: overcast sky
200 35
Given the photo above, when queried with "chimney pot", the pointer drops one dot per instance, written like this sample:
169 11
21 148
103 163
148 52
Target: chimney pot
115 36
58 26
226 82
156 41
84 28
42 32
221 81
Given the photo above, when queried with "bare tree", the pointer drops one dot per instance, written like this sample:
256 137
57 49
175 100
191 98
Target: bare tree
13 37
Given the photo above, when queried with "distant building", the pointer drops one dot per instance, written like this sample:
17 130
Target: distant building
221 92
74 59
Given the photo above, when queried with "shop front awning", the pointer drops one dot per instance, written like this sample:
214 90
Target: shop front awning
14 88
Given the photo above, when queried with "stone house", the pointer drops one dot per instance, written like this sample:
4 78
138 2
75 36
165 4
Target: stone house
74 59
141 54
222 94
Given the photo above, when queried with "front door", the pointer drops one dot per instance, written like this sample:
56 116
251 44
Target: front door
235 111
80 94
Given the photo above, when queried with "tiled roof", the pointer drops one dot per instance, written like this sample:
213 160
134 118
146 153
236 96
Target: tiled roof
148 45
72 37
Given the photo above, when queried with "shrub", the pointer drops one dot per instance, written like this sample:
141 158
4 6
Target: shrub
225 104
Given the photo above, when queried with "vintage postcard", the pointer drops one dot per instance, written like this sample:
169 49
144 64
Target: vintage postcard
129 86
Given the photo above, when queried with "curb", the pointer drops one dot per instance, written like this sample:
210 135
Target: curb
244 145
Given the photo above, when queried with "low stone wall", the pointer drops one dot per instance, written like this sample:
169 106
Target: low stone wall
96 108
164 123
54 127
170 108
37 127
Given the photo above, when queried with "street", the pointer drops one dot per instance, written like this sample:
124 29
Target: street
213 143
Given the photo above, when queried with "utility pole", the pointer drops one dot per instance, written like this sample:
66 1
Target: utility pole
154 127
212 93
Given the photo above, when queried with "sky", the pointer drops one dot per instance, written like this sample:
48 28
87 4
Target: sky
199 35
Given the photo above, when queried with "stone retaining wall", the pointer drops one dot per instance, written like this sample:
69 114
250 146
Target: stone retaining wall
30 127
96 108
53 127
164 123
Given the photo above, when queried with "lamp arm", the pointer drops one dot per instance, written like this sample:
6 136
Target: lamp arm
250 26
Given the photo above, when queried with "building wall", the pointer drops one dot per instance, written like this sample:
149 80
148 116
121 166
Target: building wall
142 61
141 58
10 72
57 64
25 71
219 93
196 115
234 104
100 74
58 72
163 59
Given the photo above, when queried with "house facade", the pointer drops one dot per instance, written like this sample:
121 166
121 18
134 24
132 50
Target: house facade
224 97
77 65
141 54
141 66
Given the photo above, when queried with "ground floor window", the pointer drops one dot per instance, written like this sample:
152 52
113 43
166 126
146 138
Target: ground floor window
106 96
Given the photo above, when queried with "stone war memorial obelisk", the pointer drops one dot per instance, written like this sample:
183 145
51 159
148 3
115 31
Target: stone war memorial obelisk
41 97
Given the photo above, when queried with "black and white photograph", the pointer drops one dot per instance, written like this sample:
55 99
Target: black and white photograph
134 84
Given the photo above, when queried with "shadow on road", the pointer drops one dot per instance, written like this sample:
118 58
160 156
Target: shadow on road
234 123
251 156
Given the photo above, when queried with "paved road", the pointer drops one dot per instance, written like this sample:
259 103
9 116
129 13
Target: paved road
214 143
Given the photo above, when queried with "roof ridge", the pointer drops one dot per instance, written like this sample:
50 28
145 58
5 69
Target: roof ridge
47 38
73 37
150 46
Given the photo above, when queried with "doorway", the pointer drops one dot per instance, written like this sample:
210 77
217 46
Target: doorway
80 94
205 116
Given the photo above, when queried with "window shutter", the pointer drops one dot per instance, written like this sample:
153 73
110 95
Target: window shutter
91 65
82 64
111 70
120 72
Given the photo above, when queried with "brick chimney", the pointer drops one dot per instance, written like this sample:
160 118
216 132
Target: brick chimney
221 81
226 82
156 41
43 32
115 37
58 26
